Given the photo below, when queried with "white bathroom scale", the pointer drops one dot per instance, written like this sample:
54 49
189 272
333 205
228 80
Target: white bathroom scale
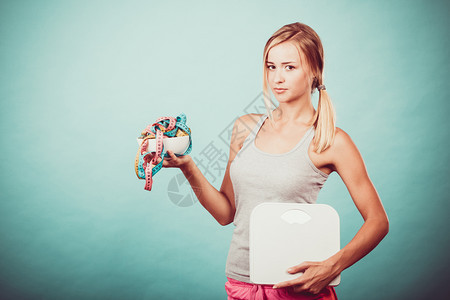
283 235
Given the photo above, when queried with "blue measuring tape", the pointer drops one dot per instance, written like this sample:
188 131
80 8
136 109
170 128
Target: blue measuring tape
152 131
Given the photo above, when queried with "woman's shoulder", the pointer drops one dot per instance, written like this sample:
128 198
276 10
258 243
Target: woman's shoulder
248 121
342 145
341 148
342 138
341 141
252 117
243 125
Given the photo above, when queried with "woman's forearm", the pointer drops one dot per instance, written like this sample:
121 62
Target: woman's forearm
214 201
366 239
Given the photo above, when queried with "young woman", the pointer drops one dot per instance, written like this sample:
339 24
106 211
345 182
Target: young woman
288 154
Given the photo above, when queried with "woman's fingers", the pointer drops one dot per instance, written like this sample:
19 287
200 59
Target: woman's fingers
172 158
294 283
173 161
299 268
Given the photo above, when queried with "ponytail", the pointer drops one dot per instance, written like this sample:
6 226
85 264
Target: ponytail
324 121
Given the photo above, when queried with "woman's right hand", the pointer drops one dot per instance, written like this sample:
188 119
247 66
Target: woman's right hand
175 161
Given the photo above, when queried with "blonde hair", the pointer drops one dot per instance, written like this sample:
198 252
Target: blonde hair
308 43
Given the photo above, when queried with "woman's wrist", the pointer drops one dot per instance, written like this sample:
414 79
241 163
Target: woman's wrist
187 166
335 262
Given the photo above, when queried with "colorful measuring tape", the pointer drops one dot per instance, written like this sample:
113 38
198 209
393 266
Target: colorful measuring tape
164 127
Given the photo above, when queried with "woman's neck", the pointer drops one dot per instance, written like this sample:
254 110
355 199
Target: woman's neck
294 113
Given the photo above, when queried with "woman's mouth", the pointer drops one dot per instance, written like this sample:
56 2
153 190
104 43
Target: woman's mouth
279 91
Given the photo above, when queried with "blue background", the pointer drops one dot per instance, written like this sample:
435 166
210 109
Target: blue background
81 79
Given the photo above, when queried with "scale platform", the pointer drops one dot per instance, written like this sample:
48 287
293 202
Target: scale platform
283 235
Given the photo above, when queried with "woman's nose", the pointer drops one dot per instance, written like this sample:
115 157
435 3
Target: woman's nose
278 76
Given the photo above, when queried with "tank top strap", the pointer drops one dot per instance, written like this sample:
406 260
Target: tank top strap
255 129
303 144
309 135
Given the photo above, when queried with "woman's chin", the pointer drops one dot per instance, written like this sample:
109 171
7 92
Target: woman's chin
283 99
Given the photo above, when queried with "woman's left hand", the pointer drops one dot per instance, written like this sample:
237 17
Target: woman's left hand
316 276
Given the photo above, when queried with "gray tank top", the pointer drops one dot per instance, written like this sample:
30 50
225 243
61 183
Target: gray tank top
259 177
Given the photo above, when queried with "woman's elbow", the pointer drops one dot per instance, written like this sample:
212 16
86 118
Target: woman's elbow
380 225
225 222
383 226
227 217
386 226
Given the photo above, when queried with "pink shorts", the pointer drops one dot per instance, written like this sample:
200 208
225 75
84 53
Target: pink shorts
238 290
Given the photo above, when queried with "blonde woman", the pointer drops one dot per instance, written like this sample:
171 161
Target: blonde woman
288 153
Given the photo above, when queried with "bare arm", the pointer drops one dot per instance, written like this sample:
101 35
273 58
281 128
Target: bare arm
348 163
220 204
214 201
350 167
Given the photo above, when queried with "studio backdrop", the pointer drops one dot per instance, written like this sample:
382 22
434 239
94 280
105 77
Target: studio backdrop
80 80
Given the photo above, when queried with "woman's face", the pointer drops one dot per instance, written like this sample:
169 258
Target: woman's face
286 76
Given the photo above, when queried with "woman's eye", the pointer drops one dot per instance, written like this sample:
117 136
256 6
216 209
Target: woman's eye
271 67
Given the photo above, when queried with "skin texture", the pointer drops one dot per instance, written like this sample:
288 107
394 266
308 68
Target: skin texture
343 157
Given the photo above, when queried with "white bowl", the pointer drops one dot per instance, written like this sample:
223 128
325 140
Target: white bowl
177 145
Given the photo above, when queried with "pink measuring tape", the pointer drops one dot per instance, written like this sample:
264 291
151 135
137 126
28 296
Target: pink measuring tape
164 127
